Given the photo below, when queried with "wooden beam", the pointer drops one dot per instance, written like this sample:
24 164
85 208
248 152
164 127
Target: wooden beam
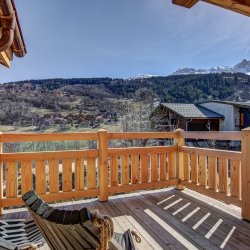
185 3
103 164
234 155
239 6
213 135
180 141
4 59
9 53
245 172
1 176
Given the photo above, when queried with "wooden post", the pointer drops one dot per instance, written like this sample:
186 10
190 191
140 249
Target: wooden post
245 170
179 141
103 164
1 174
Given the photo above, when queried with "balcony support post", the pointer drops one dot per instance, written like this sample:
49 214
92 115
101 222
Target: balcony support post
103 164
1 174
245 173
179 141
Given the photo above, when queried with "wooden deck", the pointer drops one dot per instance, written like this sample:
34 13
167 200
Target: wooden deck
170 219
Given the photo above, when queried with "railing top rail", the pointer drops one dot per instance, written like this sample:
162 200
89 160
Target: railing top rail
48 155
141 135
30 137
234 136
141 150
212 152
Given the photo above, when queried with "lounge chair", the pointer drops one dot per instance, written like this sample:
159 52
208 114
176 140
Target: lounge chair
76 229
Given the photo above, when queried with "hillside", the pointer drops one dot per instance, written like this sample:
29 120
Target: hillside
92 103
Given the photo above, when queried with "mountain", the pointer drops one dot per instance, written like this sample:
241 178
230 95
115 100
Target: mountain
145 76
242 67
93 102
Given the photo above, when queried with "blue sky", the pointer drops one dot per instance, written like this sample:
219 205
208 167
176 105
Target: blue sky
117 38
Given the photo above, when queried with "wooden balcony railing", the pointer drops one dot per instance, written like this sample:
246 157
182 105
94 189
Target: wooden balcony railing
75 174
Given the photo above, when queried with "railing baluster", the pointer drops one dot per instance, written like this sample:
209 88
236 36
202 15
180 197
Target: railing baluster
135 168
212 173
203 170
67 175
91 173
194 168
223 175
26 176
41 177
163 169
154 167
11 179
186 163
144 168
79 174
125 169
171 165
235 175
114 170
53 176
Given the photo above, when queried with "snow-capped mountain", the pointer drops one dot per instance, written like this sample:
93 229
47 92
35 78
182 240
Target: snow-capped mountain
142 77
242 67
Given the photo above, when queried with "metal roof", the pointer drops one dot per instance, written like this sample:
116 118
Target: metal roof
192 111
237 104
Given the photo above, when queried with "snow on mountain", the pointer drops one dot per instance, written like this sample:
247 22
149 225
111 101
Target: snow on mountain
242 67
142 76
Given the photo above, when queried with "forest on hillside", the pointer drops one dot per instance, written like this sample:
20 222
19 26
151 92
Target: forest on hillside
118 104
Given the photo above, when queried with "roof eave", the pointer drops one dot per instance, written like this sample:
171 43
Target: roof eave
18 47
239 6
10 23
205 118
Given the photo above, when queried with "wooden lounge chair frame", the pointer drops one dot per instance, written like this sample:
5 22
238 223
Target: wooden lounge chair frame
75 229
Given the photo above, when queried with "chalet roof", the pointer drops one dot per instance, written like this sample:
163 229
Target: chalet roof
240 6
236 104
11 40
192 111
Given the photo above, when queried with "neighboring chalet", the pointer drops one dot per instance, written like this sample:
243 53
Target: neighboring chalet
11 38
237 114
189 117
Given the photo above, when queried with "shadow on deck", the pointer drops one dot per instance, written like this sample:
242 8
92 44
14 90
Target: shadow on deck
170 219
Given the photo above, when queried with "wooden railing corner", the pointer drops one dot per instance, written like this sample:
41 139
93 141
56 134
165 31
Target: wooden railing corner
245 168
103 164
179 141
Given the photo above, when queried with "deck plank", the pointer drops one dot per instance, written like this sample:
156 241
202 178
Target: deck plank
123 219
139 225
222 231
130 211
195 239
136 208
